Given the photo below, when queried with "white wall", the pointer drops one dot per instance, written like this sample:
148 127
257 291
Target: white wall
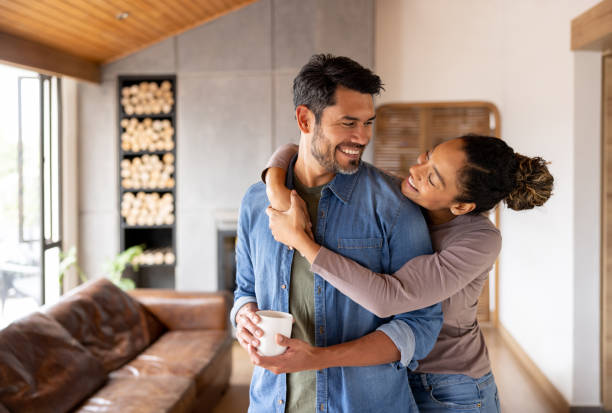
70 170
516 54
587 214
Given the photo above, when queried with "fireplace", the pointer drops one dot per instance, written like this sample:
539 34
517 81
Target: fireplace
226 224
226 260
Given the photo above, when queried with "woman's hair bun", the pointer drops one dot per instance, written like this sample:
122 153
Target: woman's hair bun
533 185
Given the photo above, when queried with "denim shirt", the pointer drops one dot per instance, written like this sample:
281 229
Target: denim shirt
365 217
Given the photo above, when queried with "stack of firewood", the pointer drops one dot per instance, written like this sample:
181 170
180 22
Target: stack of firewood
148 135
147 98
156 256
148 172
147 209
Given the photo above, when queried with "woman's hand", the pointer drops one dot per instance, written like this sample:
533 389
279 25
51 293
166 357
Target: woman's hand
299 356
291 226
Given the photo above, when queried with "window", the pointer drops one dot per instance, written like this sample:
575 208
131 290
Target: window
30 205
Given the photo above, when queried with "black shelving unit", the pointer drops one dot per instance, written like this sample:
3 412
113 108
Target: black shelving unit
156 236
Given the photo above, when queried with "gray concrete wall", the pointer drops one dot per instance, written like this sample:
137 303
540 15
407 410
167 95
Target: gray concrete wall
234 105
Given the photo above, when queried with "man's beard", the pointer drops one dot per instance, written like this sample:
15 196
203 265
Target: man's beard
322 150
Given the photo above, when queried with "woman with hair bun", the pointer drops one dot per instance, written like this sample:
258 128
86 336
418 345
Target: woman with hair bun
455 183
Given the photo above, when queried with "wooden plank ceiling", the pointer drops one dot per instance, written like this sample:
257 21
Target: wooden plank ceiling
94 30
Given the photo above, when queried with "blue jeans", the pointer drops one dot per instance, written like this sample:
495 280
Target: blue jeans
446 393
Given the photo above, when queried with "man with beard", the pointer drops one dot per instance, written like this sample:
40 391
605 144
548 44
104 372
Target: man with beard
356 210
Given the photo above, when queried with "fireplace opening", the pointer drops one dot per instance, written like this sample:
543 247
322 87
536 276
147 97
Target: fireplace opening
226 261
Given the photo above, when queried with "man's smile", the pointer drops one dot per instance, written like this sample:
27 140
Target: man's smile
350 152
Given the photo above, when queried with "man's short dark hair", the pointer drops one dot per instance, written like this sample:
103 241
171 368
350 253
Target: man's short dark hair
316 84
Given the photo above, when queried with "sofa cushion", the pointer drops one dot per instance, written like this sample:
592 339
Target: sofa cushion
113 326
142 395
43 368
182 353
180 310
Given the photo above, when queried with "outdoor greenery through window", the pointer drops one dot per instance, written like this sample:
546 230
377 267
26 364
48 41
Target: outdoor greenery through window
30 205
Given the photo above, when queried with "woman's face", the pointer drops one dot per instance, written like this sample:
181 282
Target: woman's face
432 182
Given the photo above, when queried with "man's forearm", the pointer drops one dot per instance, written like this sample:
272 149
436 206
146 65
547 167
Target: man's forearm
369 350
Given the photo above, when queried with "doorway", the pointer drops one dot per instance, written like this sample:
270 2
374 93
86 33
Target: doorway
30 206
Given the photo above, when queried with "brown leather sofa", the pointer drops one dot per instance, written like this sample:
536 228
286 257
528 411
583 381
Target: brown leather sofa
102 350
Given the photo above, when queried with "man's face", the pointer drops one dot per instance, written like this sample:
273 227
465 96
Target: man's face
345 129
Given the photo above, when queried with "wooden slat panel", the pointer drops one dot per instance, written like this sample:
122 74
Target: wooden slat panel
90 29
146 20
96 16
449 123
147 15
112 39
35 21
108 12
413 128
405 130
196 8
41 35
397 143
483 312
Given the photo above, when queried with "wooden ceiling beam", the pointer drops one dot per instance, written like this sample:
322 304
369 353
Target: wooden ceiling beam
592 30
41 58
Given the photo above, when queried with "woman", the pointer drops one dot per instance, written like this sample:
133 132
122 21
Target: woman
455 184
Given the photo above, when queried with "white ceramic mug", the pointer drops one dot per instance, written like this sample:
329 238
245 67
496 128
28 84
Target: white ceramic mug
272 323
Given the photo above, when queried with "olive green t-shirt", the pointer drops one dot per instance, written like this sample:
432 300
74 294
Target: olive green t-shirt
302 386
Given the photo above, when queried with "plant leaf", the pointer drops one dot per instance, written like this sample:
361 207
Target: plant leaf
116 267
126 284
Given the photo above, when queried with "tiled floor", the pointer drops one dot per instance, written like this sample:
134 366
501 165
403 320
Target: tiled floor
511 379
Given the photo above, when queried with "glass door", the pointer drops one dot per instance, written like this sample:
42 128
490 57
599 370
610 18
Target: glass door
30 205
50 164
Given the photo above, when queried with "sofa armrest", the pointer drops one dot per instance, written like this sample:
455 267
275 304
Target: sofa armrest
180 310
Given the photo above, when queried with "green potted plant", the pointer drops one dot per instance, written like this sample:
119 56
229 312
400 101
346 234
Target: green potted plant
67 261
114 268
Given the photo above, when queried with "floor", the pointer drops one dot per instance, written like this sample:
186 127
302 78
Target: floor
511 380
236 399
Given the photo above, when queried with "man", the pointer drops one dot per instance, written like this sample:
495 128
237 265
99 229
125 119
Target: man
357 211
